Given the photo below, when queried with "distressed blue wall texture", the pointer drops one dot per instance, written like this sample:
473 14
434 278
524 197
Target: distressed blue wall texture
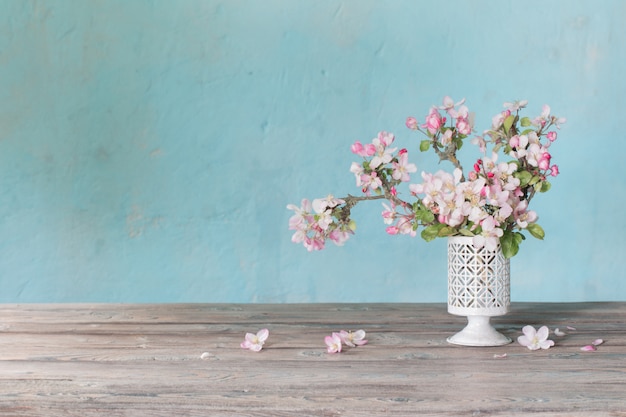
148 148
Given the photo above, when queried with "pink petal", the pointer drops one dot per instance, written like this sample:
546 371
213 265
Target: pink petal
496 356
571 328
543 333
524 341
546 344
558 332
529 332
588 348
263 335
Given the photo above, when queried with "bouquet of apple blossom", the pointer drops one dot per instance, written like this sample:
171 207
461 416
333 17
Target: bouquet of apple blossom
490 202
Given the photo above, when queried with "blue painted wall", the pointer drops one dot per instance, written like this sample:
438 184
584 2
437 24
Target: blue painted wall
148 148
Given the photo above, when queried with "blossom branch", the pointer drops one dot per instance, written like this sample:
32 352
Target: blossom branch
491 205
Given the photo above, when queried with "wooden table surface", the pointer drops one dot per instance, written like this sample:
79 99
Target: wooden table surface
147 360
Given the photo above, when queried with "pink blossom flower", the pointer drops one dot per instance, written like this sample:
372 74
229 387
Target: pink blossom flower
523 216
558 121
361 150
489 238
333 343
516 105
353 339
433 121
321 204
315 243
403 226
544 161
324 220
551 136
449 104
357 170
254 342
371 181
554 170
392 230
498 119
536 153
446 138
463 126
402 167
463 113
411 123
544 117
514 141
535 339
519 145
385 138
339 237
383 154
389 214
299 219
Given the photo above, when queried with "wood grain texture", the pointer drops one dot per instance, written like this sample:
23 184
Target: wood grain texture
145 360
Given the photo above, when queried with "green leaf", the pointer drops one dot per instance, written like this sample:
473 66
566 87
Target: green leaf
431 232
534 180
424 216
525 122
509 244
446 231
524 177
424 145
536 231
545 186
466 232
508 122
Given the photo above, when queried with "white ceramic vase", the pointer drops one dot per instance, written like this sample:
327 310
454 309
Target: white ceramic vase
478 288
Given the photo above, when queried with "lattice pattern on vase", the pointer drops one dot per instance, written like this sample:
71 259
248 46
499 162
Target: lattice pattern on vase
478 279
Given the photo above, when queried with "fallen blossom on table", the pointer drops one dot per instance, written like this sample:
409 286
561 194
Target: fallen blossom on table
535 339
593 346
558 332
255 342
353 339
333 343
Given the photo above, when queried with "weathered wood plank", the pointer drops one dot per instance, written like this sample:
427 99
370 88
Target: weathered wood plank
144 360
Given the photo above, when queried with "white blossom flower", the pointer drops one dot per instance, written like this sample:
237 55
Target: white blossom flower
535 339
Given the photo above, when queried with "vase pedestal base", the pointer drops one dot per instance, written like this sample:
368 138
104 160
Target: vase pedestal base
479 332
